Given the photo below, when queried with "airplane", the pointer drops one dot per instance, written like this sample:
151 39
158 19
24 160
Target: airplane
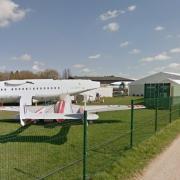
25 92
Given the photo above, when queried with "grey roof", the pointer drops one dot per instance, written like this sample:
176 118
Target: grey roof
157 78
102 78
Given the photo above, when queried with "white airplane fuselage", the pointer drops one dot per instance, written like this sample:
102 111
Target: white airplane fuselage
42 89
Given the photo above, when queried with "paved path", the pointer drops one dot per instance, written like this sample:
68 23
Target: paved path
166 166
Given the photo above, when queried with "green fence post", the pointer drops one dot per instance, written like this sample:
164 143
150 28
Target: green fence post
156 111
85 146
170 110
132 123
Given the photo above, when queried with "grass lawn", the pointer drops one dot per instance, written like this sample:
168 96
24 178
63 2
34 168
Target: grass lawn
38 150
122 100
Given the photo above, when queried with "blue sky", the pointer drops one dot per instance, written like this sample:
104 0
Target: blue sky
131 38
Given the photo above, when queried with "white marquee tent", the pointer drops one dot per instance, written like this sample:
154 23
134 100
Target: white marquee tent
136 88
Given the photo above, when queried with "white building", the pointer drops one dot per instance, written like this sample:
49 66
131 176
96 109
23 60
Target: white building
136 88
102 91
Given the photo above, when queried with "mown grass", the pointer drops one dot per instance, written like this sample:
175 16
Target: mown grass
131 164
42 149
125 100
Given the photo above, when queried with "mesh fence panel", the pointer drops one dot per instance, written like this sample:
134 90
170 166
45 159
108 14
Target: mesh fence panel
108 138
41 151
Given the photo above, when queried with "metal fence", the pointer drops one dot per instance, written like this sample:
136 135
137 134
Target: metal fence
125 130
78 149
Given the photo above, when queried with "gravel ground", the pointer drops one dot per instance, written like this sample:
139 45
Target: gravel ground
166 166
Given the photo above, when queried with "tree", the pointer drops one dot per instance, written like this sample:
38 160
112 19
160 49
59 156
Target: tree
11 76
66 73
27 75
49 74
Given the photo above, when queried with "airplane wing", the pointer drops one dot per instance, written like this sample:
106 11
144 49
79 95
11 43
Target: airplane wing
105 108
59 116
10 108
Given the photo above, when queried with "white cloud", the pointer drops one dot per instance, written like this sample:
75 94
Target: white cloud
175 50
78 66
159 28
10 12
124 44
111 27
159 57
97 56
169 36
135 51
38 66
132 8
86 70
23 57
172 67
110 14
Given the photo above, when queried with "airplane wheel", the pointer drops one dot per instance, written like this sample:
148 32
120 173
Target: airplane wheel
90 122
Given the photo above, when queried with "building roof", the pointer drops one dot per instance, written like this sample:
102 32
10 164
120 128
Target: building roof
109 79
157 78
176 81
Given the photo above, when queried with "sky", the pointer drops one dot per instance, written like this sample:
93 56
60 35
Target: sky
129 38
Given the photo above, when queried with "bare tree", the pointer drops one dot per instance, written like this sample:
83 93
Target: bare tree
49 74
66 73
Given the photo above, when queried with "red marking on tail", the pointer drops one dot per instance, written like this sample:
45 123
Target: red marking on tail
61 107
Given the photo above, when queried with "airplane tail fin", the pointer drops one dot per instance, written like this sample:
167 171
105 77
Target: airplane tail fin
64 106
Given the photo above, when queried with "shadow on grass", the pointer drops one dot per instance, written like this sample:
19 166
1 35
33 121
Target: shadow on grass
58 139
